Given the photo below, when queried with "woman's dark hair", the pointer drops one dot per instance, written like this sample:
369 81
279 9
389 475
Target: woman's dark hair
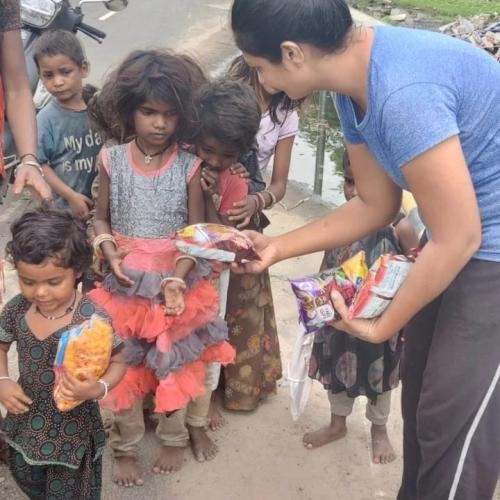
346 163
154 75
240 70
59 42
50 234
261 26
229 111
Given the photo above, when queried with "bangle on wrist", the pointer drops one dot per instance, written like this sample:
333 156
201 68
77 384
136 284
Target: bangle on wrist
186 257
164 281
34 156
6 377
99 240
274 200
34 164
262 201
106 388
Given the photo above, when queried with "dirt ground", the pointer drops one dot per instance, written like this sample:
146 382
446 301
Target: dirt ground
261 455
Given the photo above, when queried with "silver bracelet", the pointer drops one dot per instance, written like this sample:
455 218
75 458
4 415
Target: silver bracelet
106 388
6 377
31 164
164 281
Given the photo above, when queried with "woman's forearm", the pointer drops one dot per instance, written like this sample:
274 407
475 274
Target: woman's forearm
435 268
18 99
345 225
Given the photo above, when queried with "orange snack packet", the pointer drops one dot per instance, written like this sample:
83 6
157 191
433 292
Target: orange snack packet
84 351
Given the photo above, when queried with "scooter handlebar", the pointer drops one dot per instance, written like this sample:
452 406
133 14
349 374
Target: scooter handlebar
91 31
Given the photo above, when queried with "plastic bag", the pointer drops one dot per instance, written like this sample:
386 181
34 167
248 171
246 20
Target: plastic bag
84 351
313 292
298 378
215 242
384 279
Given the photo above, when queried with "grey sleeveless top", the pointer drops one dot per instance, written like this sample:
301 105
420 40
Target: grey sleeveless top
148 206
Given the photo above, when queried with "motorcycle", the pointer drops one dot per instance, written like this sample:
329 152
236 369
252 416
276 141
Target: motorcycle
38 16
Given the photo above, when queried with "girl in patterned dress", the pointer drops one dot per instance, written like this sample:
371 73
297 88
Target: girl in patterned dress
349 367
52 454
162 303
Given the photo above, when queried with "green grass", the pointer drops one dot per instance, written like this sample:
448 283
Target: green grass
444 9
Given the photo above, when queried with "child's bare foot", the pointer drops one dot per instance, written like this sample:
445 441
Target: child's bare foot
336 430
215 419
169 460
126 472
203 447
382 450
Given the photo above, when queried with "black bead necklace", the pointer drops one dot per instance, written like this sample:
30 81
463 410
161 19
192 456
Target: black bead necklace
149 157
53 318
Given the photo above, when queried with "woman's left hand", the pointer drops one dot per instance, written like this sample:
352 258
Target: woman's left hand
28 176
73 389
364 329
240 170
243 211
174 298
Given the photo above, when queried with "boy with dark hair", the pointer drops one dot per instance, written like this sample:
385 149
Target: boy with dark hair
67 145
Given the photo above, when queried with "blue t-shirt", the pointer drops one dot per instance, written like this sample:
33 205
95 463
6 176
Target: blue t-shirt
68 144
424 88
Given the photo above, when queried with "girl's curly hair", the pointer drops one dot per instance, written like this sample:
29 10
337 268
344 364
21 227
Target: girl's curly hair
151 75
50 234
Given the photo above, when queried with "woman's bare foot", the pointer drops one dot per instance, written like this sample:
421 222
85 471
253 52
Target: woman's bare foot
215 419
382 450
203 447
126 472
169 460
336 430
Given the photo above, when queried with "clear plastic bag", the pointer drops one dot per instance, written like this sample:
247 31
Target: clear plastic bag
84 351
298 379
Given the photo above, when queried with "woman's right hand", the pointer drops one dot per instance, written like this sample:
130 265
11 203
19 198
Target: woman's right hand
115 259
13 397
267 249
28 176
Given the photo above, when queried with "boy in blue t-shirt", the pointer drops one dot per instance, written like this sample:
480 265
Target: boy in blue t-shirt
67 145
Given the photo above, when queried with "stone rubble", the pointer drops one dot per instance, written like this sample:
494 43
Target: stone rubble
482 30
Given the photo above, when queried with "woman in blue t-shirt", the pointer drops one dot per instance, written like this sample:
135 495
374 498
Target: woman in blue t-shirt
420 111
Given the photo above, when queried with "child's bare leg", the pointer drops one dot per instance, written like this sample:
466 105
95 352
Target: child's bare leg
169 460
382 450
172 432
126 472
215 419
377 413
196 422
203 447
127 430
333 432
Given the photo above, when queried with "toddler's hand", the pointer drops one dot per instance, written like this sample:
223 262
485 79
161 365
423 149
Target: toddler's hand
209 181
13 397
174 298
80 205
73 389
115 260
239 169
243 211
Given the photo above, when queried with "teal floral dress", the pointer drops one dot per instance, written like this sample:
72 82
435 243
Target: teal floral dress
52 454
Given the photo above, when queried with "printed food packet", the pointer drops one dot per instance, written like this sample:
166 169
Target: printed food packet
384 279
313 292
84 351
215 242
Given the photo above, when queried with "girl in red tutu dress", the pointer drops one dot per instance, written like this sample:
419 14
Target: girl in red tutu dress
163 303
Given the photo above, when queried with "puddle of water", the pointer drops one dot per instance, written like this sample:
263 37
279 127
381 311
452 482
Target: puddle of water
303 162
